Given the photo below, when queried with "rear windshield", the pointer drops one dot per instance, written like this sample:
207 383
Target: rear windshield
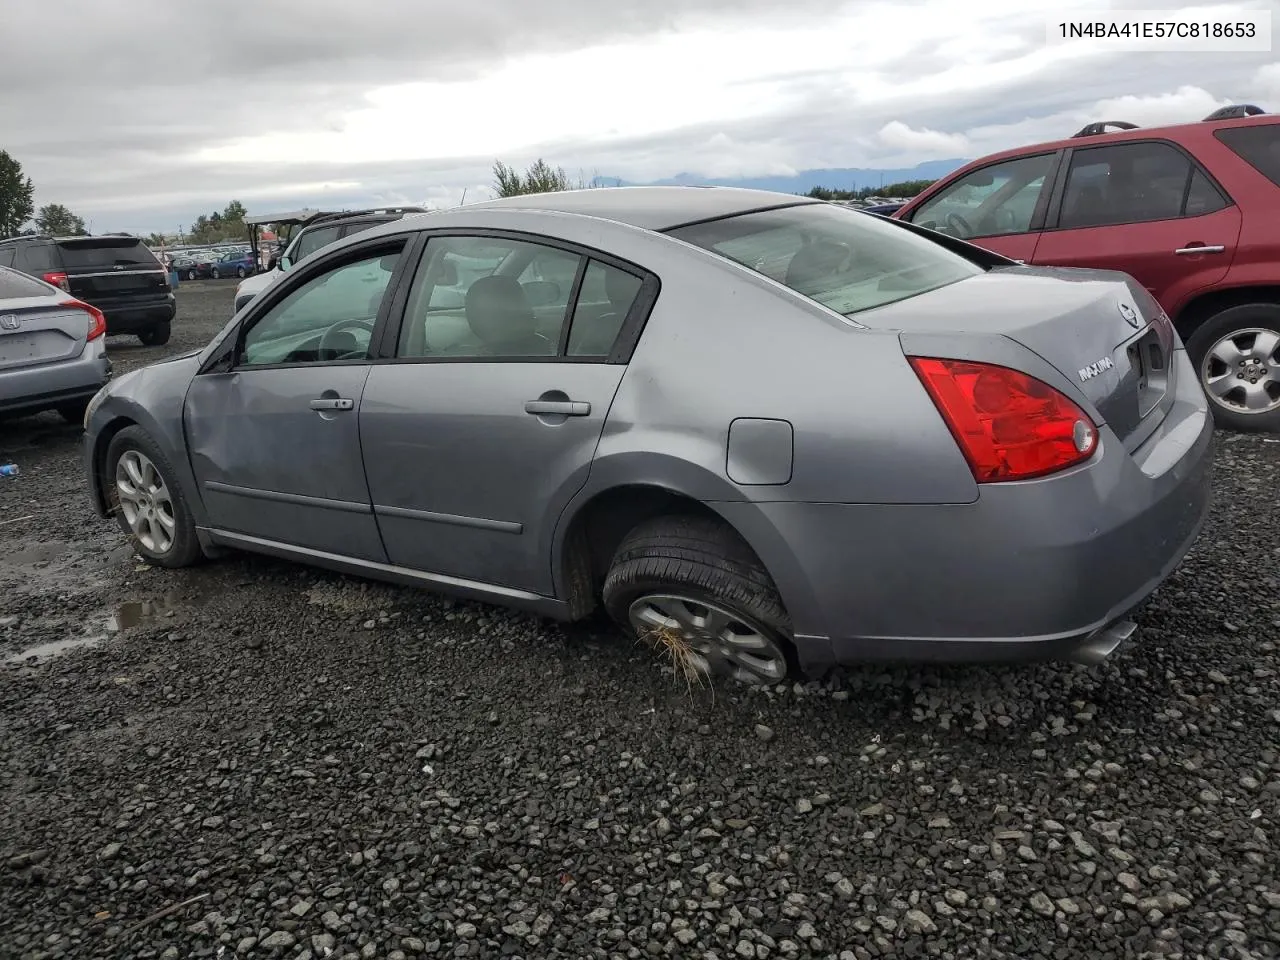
1258 146
14 285
106 252
846 260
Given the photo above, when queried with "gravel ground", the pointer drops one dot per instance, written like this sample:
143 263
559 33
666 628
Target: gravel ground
298 764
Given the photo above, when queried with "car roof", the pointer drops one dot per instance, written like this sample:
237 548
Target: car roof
1178 132
651 208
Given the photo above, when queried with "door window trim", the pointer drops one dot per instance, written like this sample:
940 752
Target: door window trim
225 358
1052 220
623 345
1039 212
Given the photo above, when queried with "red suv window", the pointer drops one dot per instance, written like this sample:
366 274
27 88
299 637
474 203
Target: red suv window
1257 146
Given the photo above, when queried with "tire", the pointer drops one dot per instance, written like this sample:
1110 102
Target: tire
699 568
1240 332
157 336
182 548
241 272
214 275
73 413
191 275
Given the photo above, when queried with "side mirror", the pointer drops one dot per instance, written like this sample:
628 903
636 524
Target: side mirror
283 263
542 293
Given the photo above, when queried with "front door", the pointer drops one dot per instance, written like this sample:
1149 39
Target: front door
275 439
485 425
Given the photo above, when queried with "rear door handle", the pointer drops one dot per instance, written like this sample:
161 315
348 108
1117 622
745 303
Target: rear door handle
1192 250
565 408
332 403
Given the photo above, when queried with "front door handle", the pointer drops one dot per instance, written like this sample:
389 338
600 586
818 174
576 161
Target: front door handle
1202 248
332 403
564 408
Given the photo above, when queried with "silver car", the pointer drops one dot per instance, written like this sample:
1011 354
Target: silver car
764 432
52 353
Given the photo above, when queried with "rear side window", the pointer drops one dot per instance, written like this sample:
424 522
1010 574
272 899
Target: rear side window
14 285
1134 183
1257 146
6 256
105 252
313 240
36 258
844 259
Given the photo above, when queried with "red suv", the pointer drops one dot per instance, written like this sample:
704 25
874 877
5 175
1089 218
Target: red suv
1192 211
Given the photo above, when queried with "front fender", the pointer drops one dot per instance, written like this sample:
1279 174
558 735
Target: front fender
152 398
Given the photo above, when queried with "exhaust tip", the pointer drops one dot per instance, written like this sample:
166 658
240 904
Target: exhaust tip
1103 643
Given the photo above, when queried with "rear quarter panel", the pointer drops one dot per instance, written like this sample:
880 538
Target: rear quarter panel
1257 254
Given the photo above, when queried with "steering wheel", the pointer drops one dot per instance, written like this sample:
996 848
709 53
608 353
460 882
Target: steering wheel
959 225
327 338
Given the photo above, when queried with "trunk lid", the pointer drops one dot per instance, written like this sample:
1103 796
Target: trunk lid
1101 330
104 268
38 330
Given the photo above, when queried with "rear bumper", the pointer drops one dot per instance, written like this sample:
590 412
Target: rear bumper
53 385
1044 569
137 315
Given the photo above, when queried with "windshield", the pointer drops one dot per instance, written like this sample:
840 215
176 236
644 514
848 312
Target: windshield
846 260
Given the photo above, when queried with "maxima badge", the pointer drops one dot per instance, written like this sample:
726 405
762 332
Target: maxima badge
1093 369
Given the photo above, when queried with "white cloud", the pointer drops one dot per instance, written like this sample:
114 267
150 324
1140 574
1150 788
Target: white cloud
925 143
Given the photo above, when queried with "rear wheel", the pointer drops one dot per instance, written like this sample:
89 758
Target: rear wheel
691 588
241 272
1237 356
148 502
214 274
157 335
191 274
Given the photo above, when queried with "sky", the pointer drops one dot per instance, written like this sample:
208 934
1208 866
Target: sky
141 114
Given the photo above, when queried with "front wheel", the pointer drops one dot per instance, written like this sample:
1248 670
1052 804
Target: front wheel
191 275
241 272
147 501
1237 357
691 587
214 273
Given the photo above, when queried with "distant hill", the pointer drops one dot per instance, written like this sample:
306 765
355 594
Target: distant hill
840 178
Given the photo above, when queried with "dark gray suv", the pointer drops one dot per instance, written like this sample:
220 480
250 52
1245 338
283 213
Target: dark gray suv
116 273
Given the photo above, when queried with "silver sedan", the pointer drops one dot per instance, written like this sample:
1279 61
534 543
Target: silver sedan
765 433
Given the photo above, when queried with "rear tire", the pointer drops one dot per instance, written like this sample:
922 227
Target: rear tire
214 274
148 502
241 272
691 587
1236 354
157 336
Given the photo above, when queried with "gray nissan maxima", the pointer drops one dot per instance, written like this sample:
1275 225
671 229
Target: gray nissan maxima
768 432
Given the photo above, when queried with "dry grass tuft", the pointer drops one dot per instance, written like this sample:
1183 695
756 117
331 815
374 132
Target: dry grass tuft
675 648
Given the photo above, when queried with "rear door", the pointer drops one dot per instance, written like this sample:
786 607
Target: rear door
1145 208
484 419
1000 206
100 269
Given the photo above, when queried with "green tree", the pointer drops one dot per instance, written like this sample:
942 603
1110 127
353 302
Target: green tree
541 177
905 189
220 225
16 192
57 220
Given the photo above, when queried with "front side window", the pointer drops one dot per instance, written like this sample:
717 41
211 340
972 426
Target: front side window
488 297
329 317
1132 183
844 259
311 241
994 201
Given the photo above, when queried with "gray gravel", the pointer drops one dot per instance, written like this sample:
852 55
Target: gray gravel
306 765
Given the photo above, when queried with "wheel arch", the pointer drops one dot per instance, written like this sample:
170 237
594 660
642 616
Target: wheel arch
1205 305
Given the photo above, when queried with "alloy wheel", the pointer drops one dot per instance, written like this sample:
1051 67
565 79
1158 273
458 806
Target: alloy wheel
1241 372
714 640
145 501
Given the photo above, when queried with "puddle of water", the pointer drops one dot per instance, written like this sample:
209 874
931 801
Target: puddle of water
131 613
47 651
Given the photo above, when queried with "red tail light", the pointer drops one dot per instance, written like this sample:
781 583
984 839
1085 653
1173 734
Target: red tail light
58 279
1009 426
97 320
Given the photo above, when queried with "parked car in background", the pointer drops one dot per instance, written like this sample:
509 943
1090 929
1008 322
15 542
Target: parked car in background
318 232
237 263
540 401
116 273
1191 211
52 353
